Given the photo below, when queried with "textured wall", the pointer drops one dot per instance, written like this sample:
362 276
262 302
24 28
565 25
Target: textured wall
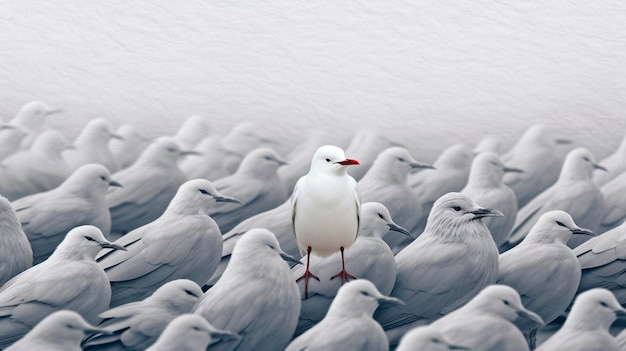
428 72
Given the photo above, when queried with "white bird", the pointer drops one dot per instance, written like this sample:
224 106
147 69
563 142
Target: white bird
79 200
184 242
40 168
190 332
149 185
485 186
255 184
486 321
450 173
614 192
256 297
491 143
603 262
587 325
426 339
30 119
537 152
326 209
11 138
192 131
574 192
243 138
208 163
60 331
365 146
129 146
137 325
387 182
92 146
16 254
446 266
348 325
69 279
543 269
371 259
615 164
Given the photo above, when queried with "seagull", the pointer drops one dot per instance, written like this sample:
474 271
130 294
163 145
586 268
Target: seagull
485 186
446 266
243 138
614 192
543 269
30 120
60 331
348 325
137 325
16 254
615 164
255 184
365 146
574 192
587 325
426 339
190 332
92 146
486 321
371 259
208 163
152 258
256 297
492 143
79 200
326 209
129 147
68 279
192 131
149 185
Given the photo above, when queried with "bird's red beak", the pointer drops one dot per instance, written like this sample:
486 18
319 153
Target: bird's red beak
348 162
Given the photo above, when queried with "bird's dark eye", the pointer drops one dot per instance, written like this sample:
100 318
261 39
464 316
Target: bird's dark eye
506 302
196 328
435 341
603 304
586 158
401 159
365 293
561 224
456 208
380 216
190 293
171 149
90 238
328 160
103 177
204 191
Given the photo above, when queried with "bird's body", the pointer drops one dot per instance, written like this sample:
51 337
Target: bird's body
614 192
615 165
190 332
129 147
25 127
183 243
208 163
16 254
79 200
192 131
92 146
365 146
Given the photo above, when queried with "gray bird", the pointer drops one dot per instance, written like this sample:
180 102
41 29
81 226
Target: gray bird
129 147
183 243
543 269
348 325
573 192
365 146
614 192
79 200
208 163
256 297
149 185
243 138
192 131
137 325
92 146
615 164
255 183
16 254
587 325
485 186
426 339
69 279
371 259
190 332
446 266
60 331
25 127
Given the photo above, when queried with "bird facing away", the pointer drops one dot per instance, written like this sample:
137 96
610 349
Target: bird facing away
256 297
92 146
426 339
149 185
485 186
387 182
190 332
371 259
493 309
60 331
540 154
326 209
127 149
183 243
137 325
543 269
68 279
348 325
574 192
40 168
192 131
446 266
16 254
79 200
587 325
255 183
449 174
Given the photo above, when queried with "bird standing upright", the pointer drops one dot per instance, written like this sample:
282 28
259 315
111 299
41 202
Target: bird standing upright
326 209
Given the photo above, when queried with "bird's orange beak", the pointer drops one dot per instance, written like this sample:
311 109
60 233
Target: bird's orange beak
348 162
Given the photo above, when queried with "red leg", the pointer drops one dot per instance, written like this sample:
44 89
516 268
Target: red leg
307 274
345 276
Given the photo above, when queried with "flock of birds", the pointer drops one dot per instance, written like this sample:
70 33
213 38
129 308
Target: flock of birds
190 241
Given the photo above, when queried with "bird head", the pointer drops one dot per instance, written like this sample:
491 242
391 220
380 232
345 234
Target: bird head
83 243
579 164
376 221
193 331
555 226
426 338
594 309
61 328
92 179
504 301
359 297
330 159
197 196
179 295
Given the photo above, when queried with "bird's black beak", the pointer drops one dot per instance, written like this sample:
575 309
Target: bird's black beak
417 165
107 245
506 169
115 183
582 231
226 199
600 167
289 258
486 212
399 229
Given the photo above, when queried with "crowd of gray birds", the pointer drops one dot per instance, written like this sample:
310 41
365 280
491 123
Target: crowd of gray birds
193 241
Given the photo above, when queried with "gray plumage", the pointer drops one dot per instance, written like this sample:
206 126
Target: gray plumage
92 146
25 127
614 193
192 131
615 164
365 146
190 332
129 147
426 339
16 254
